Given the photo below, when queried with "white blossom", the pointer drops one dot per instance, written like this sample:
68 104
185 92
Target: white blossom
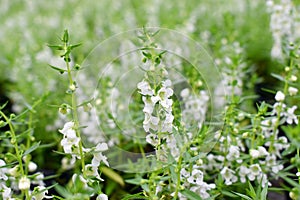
145 88
292 91
228 175
24 183
254 171
279 96
41 193
102 197
3 170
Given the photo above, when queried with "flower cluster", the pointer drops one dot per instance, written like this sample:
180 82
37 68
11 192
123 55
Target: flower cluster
70 141
158 109
194 108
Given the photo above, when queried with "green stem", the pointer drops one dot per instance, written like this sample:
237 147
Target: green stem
18 154
75 113
15 143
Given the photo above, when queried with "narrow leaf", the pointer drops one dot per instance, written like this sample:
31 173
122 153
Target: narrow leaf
191 195
58 69
32 148
242 196
113 175
56 47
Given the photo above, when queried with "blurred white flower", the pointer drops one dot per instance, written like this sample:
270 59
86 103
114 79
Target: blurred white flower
41 193
254 171
290 116
102 197
292 91
228 175
279 96
234 153
243 172
145 88
3 170
6 192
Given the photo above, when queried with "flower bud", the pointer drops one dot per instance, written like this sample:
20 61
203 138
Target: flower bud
24 183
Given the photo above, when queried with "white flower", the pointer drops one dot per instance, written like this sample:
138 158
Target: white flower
69 142
254 153
152 139
293 78
196 177
298 174
40 194
102 197
279 96
98 157
6 192
184 173
68 126
92 170
262 151
243 172
185 93
290 116
258 153
254 171
32 166
145 88
3 170
38 179
24 183
234 153
228 175
292 91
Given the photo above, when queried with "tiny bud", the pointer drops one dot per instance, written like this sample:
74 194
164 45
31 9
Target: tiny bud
32 166
13 141
199 83
12 116
287 69
87 107
293 78
144 60
245 135
72 87
63 109
2 123
24 183
14 171
77 67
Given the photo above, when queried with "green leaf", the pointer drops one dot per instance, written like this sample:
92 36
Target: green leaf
191 195
63 191
135 196
264 192
65 38
277 76
58 69
56 47
226 193
112 175
289 180
147 55
32 148
134 181
242 196
3 106
74 46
